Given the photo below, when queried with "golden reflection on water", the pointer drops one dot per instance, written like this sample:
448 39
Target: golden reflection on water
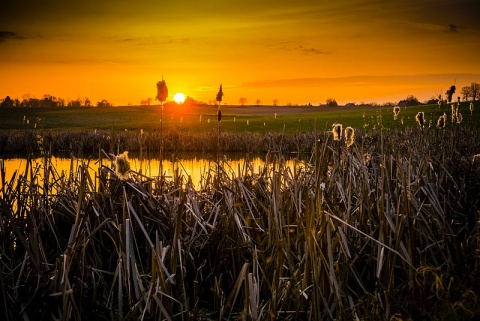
193 168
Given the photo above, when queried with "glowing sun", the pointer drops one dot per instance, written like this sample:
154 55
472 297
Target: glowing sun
179 98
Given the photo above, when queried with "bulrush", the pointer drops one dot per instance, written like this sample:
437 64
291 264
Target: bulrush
219 96
442 120
162 91
349 136
459 118
420 118
454 113
122 166
471 108
367 160
476 157
396 111
337 131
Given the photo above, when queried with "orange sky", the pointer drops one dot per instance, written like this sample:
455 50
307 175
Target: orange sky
298 52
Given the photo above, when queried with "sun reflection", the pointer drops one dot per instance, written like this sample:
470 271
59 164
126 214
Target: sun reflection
194 168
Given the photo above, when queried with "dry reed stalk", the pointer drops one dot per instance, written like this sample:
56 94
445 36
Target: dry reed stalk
371 240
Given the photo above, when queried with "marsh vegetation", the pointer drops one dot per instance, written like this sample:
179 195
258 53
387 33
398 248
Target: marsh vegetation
387 228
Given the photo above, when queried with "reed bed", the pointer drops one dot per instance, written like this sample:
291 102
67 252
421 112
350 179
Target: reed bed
386 229
87 143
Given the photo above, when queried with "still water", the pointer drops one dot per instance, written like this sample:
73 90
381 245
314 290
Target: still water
195 168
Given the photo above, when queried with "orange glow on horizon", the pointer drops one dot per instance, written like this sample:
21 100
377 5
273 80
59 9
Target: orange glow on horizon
296 52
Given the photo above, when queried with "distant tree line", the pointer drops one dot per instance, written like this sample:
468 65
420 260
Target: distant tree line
49 101
467 92
472 91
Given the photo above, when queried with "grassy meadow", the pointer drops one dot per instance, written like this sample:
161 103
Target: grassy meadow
82 132
385 229
261 119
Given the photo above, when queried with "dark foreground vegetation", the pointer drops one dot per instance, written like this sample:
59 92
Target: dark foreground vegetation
387 229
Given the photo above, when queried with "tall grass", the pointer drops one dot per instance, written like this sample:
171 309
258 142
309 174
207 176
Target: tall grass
87 144
334 238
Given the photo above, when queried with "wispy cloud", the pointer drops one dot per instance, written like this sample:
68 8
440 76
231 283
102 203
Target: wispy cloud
293 47
165 40
8 35
444 79
312 51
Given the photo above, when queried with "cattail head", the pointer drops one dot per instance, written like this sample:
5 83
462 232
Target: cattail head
454 113
476 158
162 91
442 120
420 118
219 94
471 107
349 136
219 115
450 93
122 166
459 118
337 131
367 160
396 111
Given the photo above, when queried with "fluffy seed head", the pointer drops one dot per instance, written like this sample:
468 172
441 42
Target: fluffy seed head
420 118
442 120
337 131
396 111
122 166
367 160
476 157
459 118
349 136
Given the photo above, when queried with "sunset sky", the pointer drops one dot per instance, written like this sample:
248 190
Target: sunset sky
298 52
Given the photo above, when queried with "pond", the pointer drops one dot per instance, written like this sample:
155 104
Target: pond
193 168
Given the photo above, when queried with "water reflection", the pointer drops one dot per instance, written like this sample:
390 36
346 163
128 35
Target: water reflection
195 168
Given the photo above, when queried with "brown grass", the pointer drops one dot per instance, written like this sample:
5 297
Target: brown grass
333 238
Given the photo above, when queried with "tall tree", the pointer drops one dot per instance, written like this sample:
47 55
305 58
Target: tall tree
475 91
466 92
332 102
242 101
7 102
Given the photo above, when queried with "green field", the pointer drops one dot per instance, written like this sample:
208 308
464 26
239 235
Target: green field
260 119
